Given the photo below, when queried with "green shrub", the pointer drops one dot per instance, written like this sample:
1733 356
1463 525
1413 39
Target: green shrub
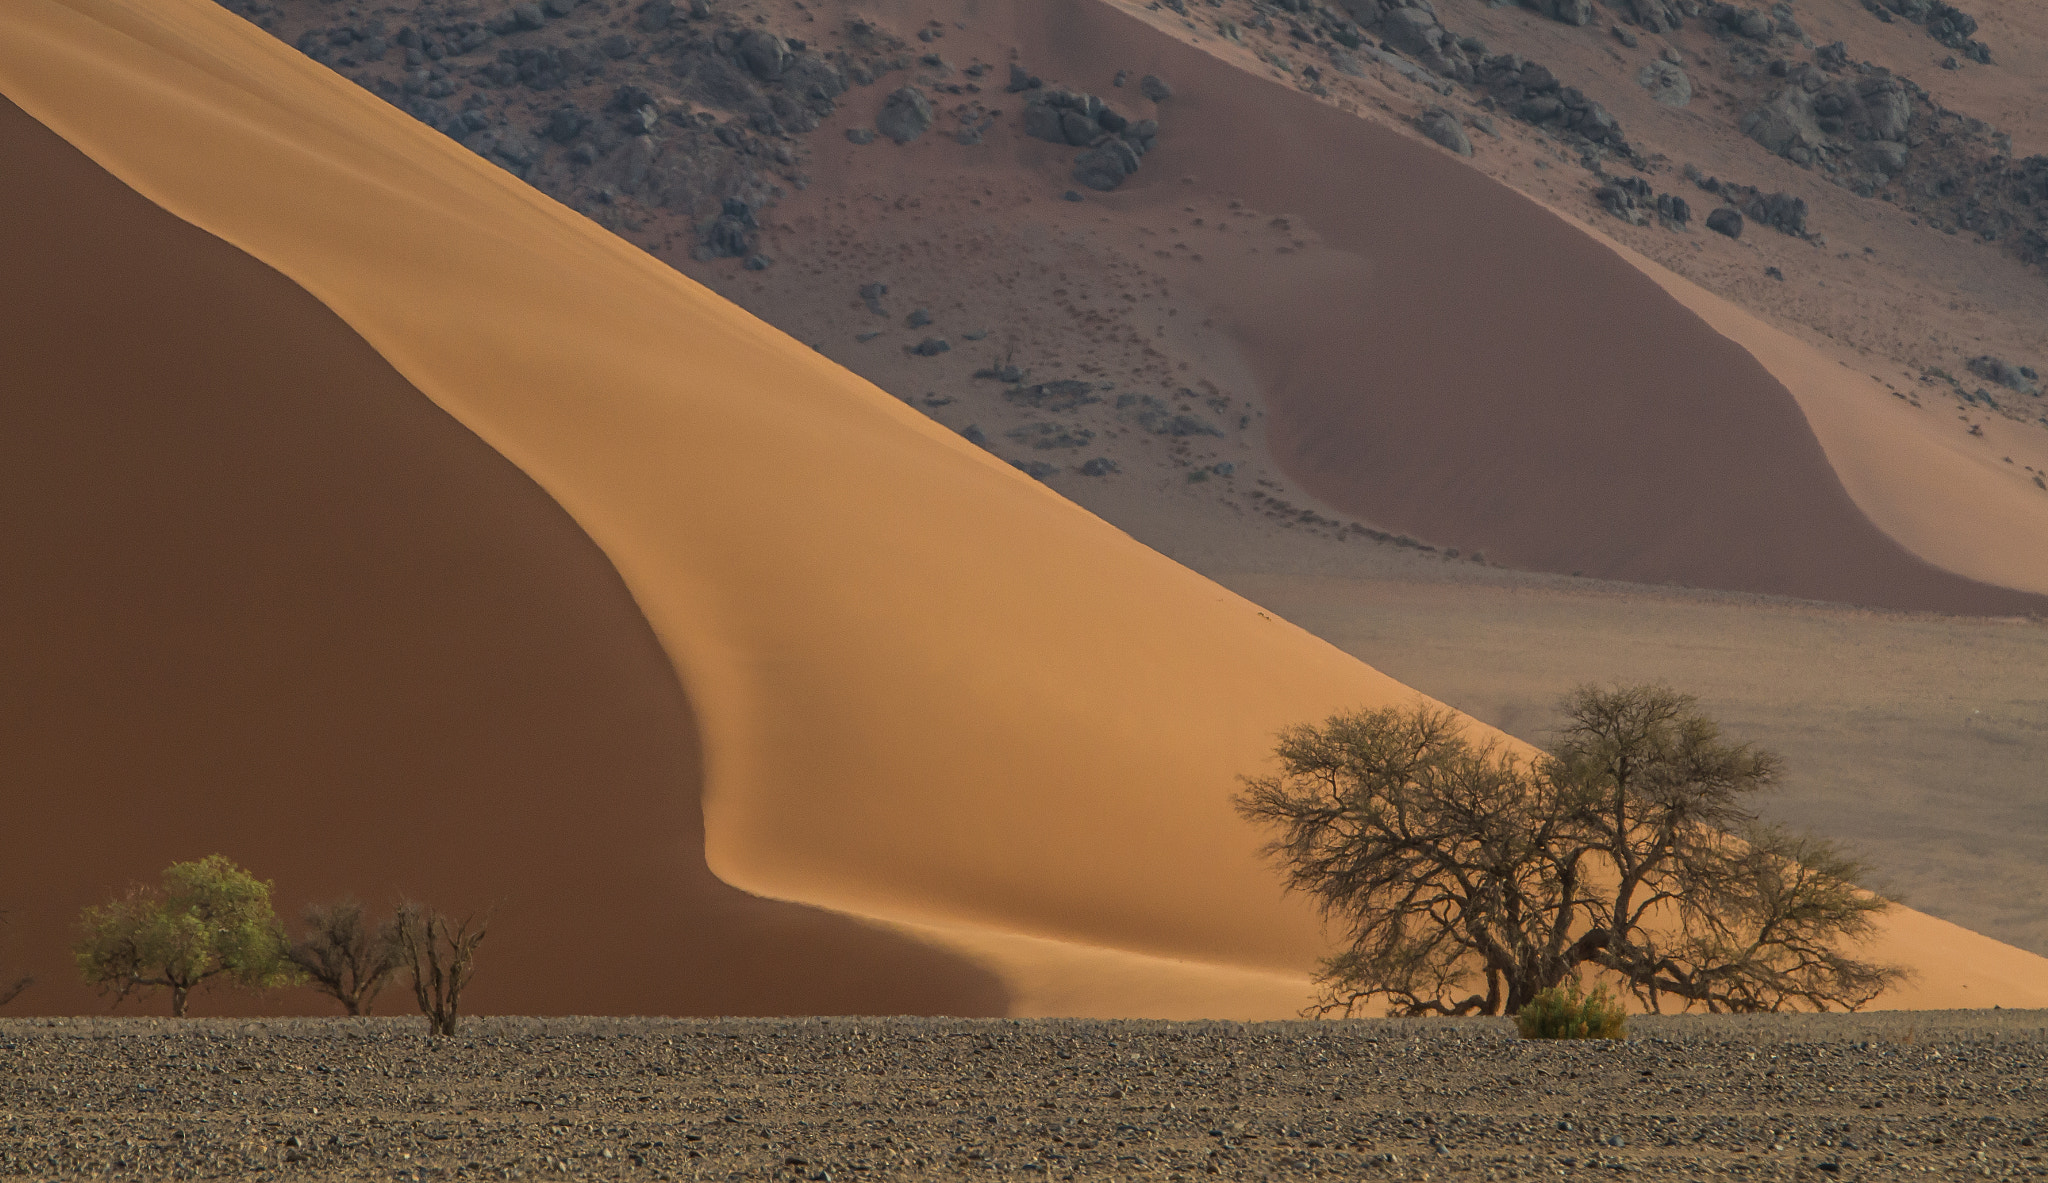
1558 1013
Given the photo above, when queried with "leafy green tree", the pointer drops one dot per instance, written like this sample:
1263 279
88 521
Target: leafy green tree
344 956
1629 847
209 919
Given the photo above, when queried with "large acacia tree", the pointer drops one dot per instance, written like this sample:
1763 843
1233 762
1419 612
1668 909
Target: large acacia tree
209 920
1467 879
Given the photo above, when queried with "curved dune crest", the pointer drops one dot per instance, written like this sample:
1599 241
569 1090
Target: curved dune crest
1452 359
929 690
263 598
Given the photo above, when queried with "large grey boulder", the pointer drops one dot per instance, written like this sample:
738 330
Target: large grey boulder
765 55
1104 168
1786 126
906 114
1571 12
1443 127
1666 83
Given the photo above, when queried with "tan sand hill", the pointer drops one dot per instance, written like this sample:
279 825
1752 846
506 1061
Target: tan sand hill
928 689
267 599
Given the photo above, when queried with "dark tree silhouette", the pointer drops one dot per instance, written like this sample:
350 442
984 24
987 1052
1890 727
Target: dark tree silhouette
1628 848
439 955
344 956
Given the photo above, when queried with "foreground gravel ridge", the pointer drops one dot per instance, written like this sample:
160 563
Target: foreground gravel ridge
1929 1095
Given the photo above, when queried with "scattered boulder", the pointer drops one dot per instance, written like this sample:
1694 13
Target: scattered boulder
1104 168
973 434
1666 83
1627 198
1099 466
1443 127
731 234
931 347
918 318
1115 143
906 114
1534 95
565 123
2020 378
1021 81
1658 16
1571 12
860 135
1944 22
656 14
765 55
1781 211
1725 221
1153 87
1817 116
871 295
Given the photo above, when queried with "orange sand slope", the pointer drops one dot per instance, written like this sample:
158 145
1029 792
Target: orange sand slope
929 691
265 598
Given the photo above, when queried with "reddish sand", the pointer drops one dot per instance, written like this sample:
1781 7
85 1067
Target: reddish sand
1457 362
929 690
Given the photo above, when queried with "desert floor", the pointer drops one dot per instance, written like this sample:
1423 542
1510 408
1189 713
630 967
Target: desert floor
1946 1094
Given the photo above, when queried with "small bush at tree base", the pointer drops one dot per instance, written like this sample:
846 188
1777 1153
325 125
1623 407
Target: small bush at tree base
1565 1013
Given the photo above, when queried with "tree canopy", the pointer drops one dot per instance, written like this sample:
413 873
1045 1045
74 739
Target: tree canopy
1466 879
208 920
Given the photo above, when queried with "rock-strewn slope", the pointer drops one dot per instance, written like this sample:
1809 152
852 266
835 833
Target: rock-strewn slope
1770 1097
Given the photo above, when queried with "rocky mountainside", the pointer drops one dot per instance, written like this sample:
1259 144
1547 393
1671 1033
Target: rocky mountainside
684 127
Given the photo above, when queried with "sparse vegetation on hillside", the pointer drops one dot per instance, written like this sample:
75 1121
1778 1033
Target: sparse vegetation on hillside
210 919
1627 847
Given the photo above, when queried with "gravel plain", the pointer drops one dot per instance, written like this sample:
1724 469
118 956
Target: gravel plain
1931 1095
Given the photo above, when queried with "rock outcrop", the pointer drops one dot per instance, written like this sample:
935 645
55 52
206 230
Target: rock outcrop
1115 143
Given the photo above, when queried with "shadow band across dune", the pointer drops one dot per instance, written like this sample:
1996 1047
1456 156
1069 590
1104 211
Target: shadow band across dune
1452 360
264 598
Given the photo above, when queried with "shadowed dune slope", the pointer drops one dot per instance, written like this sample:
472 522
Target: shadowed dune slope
929 690
1455 361
263 598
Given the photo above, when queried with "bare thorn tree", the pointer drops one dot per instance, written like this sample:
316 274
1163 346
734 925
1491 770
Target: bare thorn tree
1467 880
439 955
344 956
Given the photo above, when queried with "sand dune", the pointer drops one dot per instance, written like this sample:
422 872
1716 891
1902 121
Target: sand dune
265 599
927 689
1546 402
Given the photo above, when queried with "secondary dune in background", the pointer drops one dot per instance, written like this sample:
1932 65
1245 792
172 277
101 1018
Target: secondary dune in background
1453 360
1947 503
928 690
263 598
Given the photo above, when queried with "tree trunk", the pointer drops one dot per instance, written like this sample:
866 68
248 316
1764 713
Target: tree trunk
178 996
